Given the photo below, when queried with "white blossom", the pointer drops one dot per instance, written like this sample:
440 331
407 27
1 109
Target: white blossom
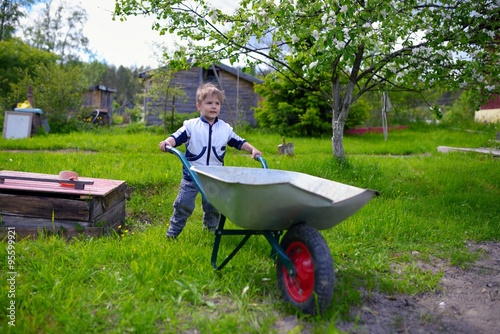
315 34
324 19
295 38
440 53
490 88
214 15
313 64
343 9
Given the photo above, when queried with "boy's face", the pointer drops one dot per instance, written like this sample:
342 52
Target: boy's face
209 108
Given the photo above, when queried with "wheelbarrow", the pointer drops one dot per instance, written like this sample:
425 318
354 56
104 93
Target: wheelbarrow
263 201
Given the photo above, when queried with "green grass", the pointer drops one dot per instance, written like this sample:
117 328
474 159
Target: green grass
431 205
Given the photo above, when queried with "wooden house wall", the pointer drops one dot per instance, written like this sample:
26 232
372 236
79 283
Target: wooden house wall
236 109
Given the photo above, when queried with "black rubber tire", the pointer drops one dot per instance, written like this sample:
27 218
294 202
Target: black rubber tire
311 290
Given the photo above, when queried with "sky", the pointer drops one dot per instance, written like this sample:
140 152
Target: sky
130 43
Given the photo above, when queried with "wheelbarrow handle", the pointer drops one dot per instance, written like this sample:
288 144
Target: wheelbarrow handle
262 161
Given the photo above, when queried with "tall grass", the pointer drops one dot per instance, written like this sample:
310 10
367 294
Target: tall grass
431 205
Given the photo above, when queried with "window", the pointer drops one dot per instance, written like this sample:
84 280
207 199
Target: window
210 75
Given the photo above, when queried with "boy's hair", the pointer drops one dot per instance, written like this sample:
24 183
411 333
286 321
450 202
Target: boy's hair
208 89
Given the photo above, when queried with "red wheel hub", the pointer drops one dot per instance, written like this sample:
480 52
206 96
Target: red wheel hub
301 286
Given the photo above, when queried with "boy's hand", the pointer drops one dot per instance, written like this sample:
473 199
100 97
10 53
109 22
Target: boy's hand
256 153
163 146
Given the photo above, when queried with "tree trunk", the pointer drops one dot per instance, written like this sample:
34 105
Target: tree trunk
338 139
342 104
341 107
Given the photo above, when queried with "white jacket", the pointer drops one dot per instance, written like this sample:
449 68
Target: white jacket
206 144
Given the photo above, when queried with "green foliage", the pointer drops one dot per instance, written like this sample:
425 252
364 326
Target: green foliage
11 12
136 114
359 112
291 110
462 111
18 60
126 83
58 93
294 111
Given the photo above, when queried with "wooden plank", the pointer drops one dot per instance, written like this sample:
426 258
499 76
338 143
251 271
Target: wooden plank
101 204
111 217
78 184
101 187
44 207
446 149
36 222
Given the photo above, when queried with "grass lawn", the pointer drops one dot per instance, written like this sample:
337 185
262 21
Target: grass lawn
136 281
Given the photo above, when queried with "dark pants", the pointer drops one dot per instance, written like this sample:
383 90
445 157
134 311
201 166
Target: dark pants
184 206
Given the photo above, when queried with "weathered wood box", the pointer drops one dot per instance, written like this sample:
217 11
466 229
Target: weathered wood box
31 203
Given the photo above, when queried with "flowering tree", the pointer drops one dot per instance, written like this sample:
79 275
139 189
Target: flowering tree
346 47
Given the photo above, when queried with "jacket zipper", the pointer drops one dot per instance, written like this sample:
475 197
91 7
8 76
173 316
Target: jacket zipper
209 148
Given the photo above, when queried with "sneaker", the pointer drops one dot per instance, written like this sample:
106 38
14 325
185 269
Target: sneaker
210 229
170 235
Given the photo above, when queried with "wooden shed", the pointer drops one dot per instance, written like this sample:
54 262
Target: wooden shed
489 112
100 99
238 87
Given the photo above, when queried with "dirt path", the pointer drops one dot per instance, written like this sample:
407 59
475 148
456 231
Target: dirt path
468 301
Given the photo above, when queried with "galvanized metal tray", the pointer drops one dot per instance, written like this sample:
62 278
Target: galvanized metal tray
274 200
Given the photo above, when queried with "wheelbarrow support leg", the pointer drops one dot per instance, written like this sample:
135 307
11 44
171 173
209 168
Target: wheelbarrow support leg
218 236
271 236
273 241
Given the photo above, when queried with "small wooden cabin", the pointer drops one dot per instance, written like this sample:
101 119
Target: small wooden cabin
489 112
100 99
237 86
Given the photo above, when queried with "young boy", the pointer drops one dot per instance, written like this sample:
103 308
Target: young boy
206 138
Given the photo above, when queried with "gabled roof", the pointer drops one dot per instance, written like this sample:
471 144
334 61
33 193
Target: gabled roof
227 68
237 72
